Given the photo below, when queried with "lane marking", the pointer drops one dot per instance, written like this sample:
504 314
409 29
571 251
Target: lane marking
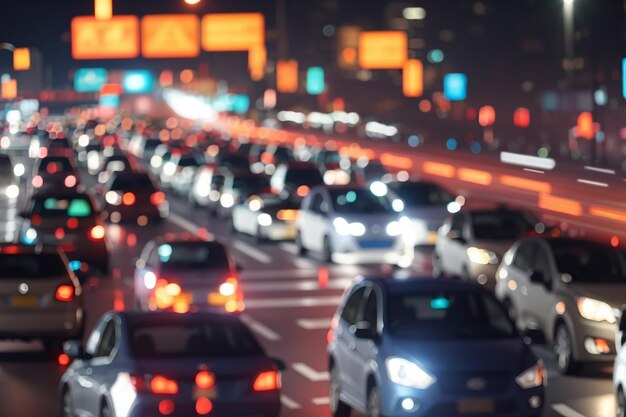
289 247
314 324
310 373
589 182
293 302
304 263
321 401
182 223
289 403
260 329
566 410
527 160
536 171
602 170
300 285
252 252
279 274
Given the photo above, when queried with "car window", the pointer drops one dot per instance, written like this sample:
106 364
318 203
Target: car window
192 255
153 258
359 201
107 341
501 225
541 263
448 315
588 262
456 226
523 257
132 182
316 203
303 176
370 309
26 265
353 304
422 194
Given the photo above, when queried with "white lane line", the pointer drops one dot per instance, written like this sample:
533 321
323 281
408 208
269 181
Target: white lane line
320 401
289 403
304 263
183 223
536 171
300 285
293 302
589 182
527 160
314 324
252 252
566 411
260 329
602 170
310 373
289 247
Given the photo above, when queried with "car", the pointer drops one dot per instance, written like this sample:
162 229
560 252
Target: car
143 147
267 217
68 220
9 188
187 273
42 297
619 367
470 243
570 290
54 173
296 179
117 162
207 187
425 347
178 173
354 224
426 204
133 196
365 171
138 364
238 186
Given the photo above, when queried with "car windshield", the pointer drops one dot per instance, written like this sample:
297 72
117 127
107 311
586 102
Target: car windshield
55 165
588 262
251 182
193 255
502 225
185 338
234 162
62 207
422 194
190 161
24 265
305 176
359 201
132 182
151 144
448 315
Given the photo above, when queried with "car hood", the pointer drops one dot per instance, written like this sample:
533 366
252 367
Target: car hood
613 294
459 356
499 247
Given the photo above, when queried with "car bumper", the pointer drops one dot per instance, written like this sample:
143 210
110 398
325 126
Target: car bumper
277 231
132 214
586 332
66 324
95 255
385 250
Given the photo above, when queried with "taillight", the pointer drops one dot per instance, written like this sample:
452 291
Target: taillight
205 379
64 293
229 287
287 215
37 181
128 199
302 191
162 385
97 232
70 181
267 381
157 198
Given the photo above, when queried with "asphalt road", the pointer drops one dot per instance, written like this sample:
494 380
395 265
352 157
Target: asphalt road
286 308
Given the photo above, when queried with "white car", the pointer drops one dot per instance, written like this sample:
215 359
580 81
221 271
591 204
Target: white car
619 369
355 224
266 216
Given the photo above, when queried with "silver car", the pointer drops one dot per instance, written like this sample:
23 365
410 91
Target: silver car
571 290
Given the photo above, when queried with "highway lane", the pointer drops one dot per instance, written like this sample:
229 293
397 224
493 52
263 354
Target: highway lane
286 308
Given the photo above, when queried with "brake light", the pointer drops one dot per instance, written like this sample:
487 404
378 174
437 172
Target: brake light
97 232
166 407
128 199
64 293
37 181
162 385
157 198
229 288
205 380
267 381
204 406
70 181
302 191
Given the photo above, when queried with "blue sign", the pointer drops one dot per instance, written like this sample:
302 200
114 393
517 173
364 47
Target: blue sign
624 78
315 83
110 101
240 103
138 82
455 87
90 80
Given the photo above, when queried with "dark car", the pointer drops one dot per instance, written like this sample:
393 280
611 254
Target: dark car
55 173
133 196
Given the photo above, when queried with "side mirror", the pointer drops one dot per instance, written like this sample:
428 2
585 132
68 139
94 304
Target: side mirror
363 330
74 349
280 364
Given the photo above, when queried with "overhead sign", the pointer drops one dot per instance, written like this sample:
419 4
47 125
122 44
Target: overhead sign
413 78
21 59
9 89
170 36
287 76
115 38
138 82
90 80
232 31
455 87
315 83
382 50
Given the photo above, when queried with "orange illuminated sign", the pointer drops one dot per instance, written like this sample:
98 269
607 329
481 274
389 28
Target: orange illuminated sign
9 89
113 89
287 76
21 59
103 9
413 78
382 50
115 38
584 125
257 58
233 31
170 36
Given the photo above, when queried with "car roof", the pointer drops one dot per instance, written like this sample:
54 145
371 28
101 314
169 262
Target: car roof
165 317
395 286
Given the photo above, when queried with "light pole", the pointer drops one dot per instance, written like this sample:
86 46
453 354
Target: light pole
568 33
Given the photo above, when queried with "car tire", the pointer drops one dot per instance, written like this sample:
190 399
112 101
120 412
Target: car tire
105 411
302 251
437 269
563 350
327 250
337 407
67 409
620 403
373 406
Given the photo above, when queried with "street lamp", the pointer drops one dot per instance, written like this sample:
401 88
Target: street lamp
192 2
568 32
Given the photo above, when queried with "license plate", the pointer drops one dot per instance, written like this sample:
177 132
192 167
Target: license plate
215 298
475 406
24 301
210 393
183 298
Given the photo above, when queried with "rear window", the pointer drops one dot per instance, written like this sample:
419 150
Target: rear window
55 166
132 182
234 162
304 176
31 266
422 194
187 338
151 144
62 207
202 255
502 225
191 161
251 182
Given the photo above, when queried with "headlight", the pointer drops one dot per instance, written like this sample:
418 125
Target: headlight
30 236
264 219
482 256
408 374
344 228
595 310
12 191
532 377
394 228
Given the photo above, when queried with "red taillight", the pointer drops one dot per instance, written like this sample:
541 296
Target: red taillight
204 406
97 232
267 381
166 407
128 199
205 379
157 198
63 359
37 181
65 293
70 181
302 191
162 385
